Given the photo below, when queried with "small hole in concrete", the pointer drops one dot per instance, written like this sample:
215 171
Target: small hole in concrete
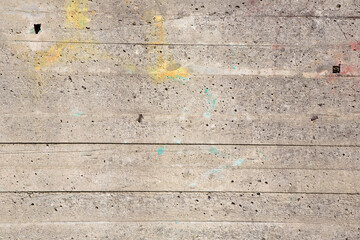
313 118
141 117
336 69
37 28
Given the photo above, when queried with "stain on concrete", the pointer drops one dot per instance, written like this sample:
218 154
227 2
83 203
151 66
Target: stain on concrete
221 168
77 15
77 114
210 103
355 46
238 162
164 67
70 49
160 150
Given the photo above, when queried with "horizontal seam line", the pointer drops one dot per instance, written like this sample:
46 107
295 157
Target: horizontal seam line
181 144
209 14
297 75
214 167
173 44
173 221
178 192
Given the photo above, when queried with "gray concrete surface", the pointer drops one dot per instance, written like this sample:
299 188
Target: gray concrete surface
222 119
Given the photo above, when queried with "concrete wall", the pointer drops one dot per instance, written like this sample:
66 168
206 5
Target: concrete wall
222 119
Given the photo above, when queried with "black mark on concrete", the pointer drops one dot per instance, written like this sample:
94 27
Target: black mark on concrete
336 69
37 28
313 118
140 118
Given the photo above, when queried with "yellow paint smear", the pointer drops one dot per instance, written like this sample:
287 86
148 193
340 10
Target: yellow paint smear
167 69
158 31
49 57
67 51
164 68
76 14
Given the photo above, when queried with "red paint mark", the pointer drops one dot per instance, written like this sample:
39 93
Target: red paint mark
347 70
330 78
354 46
276 46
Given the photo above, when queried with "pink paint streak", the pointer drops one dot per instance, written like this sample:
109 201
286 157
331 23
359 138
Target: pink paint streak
348 70
354 46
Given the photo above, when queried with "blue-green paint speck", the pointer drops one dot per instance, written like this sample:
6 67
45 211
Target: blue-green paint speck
160 150
238 162
213 150
210 103
76 114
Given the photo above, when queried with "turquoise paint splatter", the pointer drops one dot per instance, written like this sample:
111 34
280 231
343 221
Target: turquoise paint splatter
210 103
233 57
213 150
178 78
177 141
160 150
266 158
216 152
130 69
214 171
76 114
238 162
224 155
177 222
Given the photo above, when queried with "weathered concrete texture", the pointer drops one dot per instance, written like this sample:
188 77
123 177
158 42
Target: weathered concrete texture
218 119
185 30
244 129
178 230
130 94
179 168
178 8
255 157
177 206
37 58
108 106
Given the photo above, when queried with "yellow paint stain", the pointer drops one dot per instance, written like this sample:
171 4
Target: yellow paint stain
76 14
70 50
158 32
67 51
49 57
158 18
164 70
165 67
